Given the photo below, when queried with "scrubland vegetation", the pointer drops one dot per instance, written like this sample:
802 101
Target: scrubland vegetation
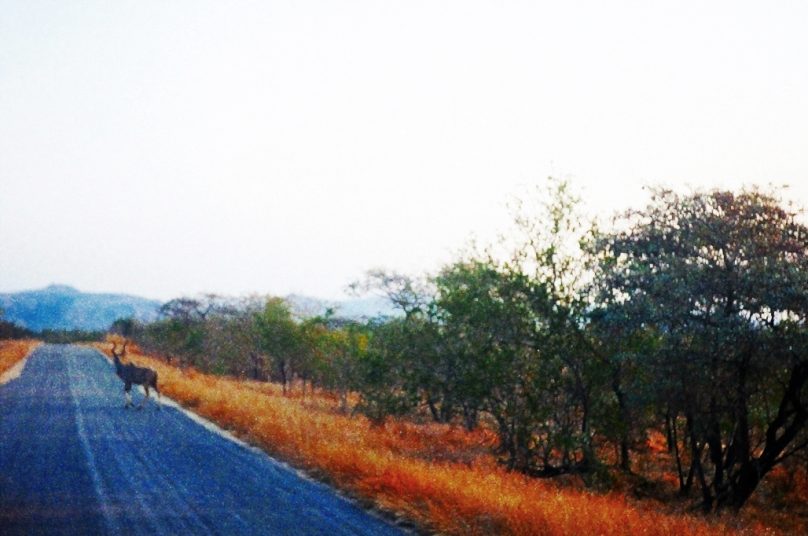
563 354
9 330
440 476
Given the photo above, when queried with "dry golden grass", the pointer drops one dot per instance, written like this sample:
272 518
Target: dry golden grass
439 477
11 352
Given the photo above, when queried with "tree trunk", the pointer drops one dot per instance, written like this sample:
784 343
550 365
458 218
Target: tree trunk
432 408
284 375
791 418
470 417
669 433
622 406
343 400
695 450
673 444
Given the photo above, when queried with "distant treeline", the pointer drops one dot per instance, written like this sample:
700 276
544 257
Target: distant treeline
68 336
571 341
10 330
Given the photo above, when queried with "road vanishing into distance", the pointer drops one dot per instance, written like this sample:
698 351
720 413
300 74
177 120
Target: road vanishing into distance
74 461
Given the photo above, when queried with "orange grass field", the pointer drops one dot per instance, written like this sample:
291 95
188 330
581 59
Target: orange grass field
438 477
11 352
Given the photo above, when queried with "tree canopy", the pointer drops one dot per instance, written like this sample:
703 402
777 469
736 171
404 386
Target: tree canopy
687 316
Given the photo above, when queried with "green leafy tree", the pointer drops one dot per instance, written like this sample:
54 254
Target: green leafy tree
386 372
721 279
280 338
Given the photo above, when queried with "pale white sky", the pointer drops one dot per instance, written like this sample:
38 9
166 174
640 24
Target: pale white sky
174 147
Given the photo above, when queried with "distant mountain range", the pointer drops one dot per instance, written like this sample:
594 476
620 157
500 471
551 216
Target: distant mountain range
62 307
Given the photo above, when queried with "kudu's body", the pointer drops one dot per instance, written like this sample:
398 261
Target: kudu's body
132 374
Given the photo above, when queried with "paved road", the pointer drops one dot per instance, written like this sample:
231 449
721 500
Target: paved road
73 461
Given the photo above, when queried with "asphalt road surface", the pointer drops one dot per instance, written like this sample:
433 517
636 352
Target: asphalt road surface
74 461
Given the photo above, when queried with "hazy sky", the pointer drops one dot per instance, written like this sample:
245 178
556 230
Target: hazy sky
173 147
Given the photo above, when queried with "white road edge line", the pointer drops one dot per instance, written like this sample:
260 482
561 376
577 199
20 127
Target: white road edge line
205 423
14 372
101 492
202 421
216 429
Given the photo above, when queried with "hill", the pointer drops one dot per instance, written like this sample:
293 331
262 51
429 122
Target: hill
63 307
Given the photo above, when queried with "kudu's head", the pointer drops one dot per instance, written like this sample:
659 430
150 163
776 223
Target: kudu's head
117 356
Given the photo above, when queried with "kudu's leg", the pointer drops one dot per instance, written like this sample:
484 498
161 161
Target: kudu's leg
145 398
128 395
159 397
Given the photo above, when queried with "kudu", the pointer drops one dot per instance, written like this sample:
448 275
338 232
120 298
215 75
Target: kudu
132 374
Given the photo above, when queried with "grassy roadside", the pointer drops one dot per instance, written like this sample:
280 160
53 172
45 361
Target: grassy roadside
12 352
422 473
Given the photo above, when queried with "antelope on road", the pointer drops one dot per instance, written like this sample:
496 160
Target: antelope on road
132 374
